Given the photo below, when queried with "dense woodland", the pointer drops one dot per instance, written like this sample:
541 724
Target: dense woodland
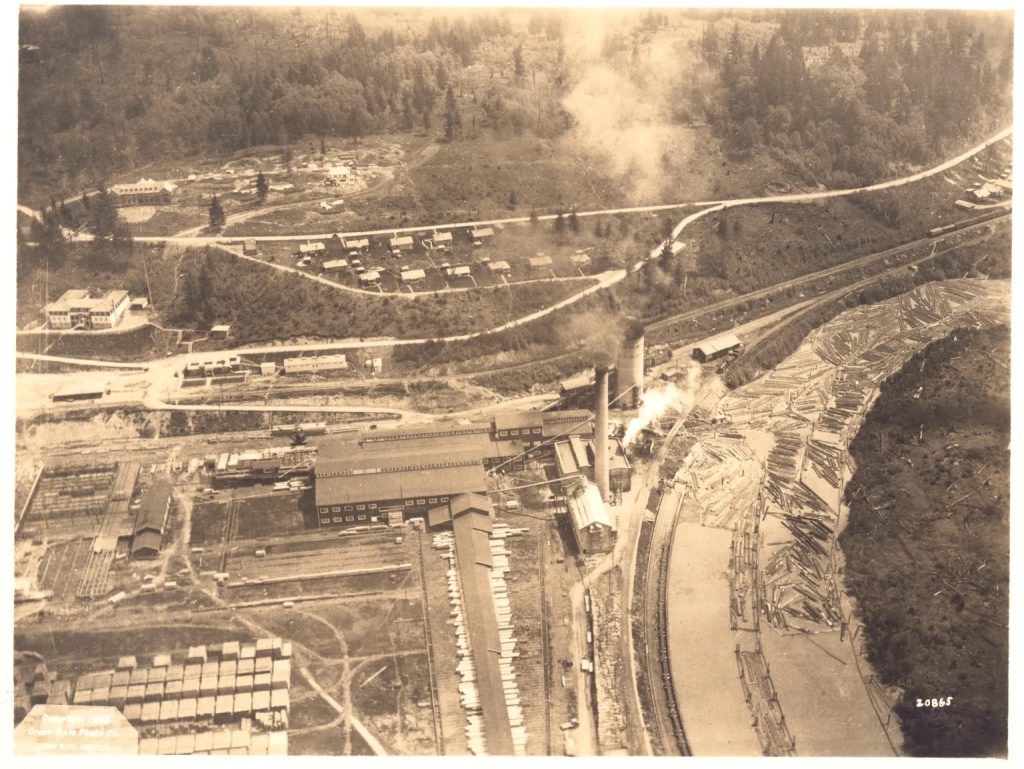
104 89
927 544
840 96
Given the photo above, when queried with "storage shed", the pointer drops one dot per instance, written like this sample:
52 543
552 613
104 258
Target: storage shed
716 348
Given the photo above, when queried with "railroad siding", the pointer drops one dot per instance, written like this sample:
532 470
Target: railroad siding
443 652
525 585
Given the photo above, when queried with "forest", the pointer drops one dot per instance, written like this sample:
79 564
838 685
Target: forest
927 543
840 95
837 96
107 89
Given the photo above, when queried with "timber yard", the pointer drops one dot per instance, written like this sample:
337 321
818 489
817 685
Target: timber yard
377 463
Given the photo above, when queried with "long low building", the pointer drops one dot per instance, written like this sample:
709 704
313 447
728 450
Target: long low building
144 192
80 391
473 523
151 522
386 476
315 363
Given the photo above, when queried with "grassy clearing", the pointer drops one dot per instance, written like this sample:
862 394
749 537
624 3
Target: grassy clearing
141 343
209 523
269 516
263 305
927 542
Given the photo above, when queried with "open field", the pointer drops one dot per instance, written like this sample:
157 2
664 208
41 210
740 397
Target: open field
209 521
269 516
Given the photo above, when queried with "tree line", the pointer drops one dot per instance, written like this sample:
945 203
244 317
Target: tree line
104 89
842 95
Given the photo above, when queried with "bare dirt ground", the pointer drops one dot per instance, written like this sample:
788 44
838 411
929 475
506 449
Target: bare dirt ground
850 730
714 713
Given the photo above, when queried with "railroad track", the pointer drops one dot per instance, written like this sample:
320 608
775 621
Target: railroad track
800 280
435 708
666 723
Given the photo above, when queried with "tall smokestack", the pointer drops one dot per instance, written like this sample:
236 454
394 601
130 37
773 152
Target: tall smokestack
630 368
601 432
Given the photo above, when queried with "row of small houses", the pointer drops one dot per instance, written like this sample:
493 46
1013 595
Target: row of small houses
438 241
372 276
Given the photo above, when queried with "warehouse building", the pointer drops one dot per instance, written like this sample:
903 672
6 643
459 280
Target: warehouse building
79 391
82 308
592 525
717 348
213 366
472 520
151 522
387 476
541 425
374 486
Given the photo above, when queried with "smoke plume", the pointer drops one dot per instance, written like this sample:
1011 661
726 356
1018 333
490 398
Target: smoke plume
598 334
662 399
622 104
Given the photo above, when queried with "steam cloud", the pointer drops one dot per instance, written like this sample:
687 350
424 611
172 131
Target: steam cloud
625 119
662 399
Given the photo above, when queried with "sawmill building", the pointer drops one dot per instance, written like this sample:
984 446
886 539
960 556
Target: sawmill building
388 476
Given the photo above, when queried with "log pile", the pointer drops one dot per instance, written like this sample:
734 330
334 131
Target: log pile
744 599
723 477
812 404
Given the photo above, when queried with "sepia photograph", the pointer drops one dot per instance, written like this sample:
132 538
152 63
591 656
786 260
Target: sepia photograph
419 381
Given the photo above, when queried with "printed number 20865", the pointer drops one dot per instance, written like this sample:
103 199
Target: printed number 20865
941 702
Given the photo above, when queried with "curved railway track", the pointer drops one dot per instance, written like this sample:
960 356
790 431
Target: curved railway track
665 725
